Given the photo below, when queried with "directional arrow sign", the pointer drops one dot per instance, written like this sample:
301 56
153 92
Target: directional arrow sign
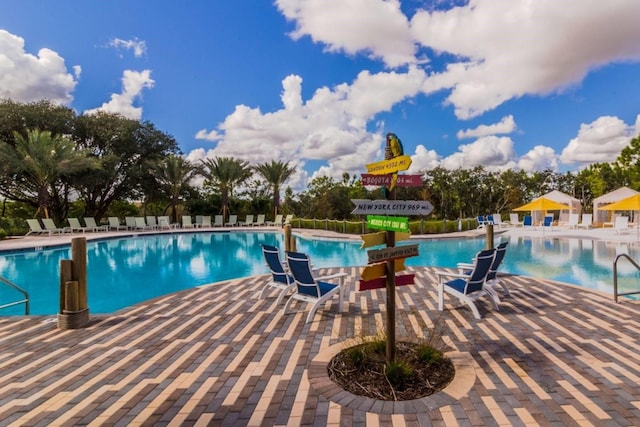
384 167
385 180
389 223
376 270
380 238
387 254
381 282
391 207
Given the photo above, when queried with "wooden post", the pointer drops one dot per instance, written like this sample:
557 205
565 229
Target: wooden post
66 275
287 238
391 276
71 297
79 257
489 228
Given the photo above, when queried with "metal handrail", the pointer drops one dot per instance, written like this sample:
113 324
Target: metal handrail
615 276
24 301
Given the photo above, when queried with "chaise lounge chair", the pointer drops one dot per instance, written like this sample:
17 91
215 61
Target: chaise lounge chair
467 287
621 224
514 221
233 221
248 221
280 279
91 223
36 228
287 219
74 224
527 221
276 222
309 289
50 226
587 221
218 221
573 220
259 221
114 224
186 222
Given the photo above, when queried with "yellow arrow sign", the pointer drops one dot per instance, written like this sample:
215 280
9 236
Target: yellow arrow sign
374 271
384 167
380 238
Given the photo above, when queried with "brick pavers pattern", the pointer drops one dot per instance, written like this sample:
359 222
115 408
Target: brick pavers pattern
554 354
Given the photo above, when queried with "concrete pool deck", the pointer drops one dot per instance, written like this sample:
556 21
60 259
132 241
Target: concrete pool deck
554 354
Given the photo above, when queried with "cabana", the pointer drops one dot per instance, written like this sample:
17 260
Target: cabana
601 215
565 199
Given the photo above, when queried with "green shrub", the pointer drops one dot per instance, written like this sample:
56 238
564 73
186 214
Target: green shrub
3 234
427 354
397 372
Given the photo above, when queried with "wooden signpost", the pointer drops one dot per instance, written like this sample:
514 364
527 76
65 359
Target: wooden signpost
384 263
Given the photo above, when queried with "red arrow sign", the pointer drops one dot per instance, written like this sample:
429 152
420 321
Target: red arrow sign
385 180
381 282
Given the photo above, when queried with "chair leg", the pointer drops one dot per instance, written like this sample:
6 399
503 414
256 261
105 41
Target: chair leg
286 306
282 295
473 307
493 295
264 290
505 288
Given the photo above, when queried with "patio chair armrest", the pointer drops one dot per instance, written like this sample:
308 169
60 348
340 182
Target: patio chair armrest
465 265
331 276
441 274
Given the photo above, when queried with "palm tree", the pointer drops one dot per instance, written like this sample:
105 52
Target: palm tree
173 175
223 174
38 162
275 173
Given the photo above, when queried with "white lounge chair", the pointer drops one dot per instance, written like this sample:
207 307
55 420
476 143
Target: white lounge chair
186 222
141 224
218 221
621 224
233 221
287 219
586 221
248 221
114 224
206 221
130 222
91 223
573 220
74 224
497 220
514 221
164 223
152 223
260 220
276 222
36 228
50 226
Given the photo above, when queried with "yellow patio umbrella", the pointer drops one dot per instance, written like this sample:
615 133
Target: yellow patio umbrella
631 203
543 204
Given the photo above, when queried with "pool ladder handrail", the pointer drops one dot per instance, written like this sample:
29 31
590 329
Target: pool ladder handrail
615 276
24 301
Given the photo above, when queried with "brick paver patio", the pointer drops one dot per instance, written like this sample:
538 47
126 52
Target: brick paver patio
554 354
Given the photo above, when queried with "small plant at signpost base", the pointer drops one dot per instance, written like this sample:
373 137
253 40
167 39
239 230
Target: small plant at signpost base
419 369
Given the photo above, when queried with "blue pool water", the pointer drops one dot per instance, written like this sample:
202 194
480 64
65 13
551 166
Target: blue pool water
122 272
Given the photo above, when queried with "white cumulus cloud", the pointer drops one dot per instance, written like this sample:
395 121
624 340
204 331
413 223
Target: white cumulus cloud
139 47
27 78
122 103
505 126
599 141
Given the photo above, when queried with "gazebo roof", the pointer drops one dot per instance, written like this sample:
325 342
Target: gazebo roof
614 196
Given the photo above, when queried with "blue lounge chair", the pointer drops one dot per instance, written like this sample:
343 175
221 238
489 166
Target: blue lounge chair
481 221
467 287
314 290
280 279
527 221
492 280
547 222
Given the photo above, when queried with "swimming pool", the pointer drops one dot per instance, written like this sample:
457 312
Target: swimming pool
125 271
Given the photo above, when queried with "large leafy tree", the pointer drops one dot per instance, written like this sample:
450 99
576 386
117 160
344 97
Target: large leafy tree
124 148
34 169
275 173
42 115
223 174
173 175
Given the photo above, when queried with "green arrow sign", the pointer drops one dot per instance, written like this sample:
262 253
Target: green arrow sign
388 223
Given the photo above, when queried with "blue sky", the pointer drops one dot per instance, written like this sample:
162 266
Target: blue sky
501 83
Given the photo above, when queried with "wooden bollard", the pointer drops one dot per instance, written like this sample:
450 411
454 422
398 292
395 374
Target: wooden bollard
489 228
71 297
287 238
79 257
66 275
